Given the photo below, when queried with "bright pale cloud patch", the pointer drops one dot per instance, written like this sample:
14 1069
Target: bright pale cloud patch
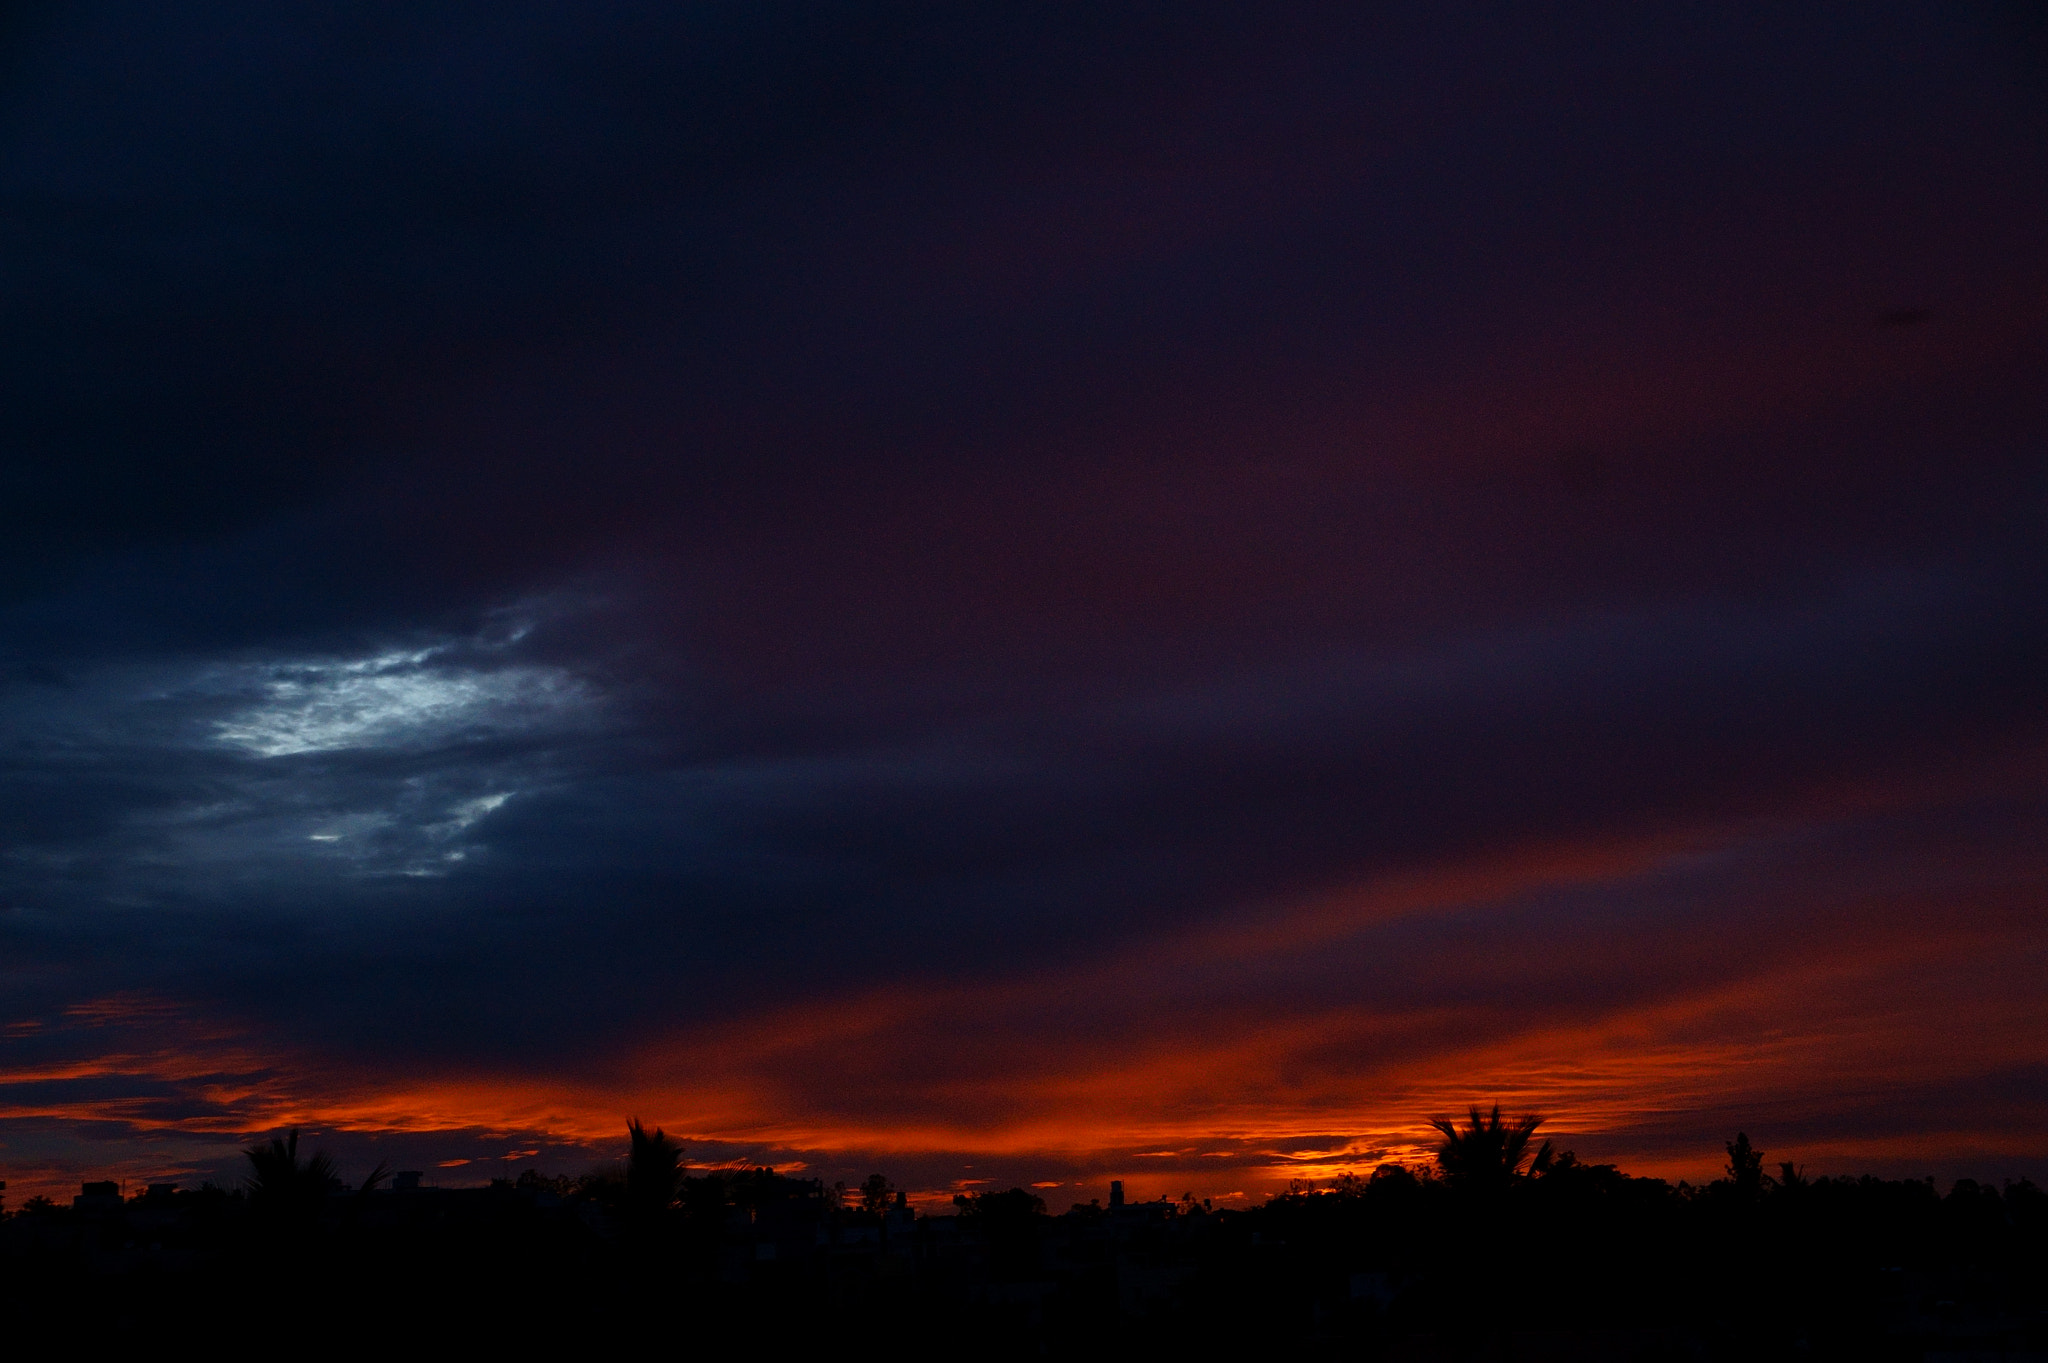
393 700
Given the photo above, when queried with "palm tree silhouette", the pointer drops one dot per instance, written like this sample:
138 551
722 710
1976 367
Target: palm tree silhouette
1488 1151
280 1184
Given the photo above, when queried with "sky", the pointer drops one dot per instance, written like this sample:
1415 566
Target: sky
1023 593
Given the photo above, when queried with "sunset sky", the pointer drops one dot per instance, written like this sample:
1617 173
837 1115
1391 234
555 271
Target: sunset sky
1022 593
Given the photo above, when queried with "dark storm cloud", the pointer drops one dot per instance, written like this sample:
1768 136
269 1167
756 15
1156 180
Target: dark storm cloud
485 815
532 268
523 528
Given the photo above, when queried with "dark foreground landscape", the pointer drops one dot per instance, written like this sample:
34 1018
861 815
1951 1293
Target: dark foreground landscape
1506 1250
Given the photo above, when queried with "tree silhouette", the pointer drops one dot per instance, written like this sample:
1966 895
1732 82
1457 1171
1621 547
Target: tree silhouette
282 1186
651 1168
373 1178
1745 1168
876 1192
1489 1151
1014 1206
1008 1224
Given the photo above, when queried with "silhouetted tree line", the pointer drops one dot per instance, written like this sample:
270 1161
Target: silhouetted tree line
1506 1248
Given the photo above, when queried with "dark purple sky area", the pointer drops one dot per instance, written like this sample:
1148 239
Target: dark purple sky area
1022 592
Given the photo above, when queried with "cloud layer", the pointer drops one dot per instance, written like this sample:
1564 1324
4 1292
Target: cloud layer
1036 597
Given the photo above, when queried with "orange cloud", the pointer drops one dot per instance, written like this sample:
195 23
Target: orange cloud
1244 1054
